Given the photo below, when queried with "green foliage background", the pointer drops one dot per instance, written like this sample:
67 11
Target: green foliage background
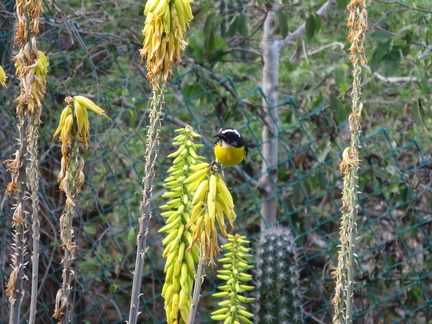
93 50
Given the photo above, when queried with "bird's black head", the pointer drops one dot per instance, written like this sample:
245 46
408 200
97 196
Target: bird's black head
231 136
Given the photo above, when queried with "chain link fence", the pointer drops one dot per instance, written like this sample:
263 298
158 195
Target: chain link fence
393 277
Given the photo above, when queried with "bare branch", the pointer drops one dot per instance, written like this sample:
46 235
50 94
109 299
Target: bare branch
393 79
404 5
425 53
302 29
316 51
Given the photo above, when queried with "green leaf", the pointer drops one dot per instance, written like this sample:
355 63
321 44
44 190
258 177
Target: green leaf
424 86
284 174
334 102
209 32
414 223
233 28
339 76
340 111
90 229
282 22
342 4
380 53
380 36
310 26
408 41
393 61
195 48
219 48
242 25
192 90
131 236
318 23
112 288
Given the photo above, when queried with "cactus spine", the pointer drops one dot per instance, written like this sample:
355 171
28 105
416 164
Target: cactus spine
277 285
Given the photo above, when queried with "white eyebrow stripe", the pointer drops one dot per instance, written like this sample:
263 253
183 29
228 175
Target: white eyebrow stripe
230 130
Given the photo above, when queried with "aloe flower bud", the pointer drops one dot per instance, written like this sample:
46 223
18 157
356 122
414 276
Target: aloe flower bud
234 274
180 262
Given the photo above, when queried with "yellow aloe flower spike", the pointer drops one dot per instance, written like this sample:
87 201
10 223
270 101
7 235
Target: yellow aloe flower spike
163 32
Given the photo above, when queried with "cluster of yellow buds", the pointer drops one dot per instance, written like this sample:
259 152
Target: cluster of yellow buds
163 32
3 77
82 131
74 125
180 263
235 265
211 202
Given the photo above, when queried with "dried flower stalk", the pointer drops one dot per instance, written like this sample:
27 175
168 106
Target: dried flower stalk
31 69
73 131
344 272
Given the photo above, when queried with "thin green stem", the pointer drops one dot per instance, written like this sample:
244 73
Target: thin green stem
234 297
67 263
28 114
17 277
353 185
63 310
352 232
152 143
199 278
34 196
344 273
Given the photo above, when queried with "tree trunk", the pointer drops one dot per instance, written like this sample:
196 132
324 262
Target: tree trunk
272 46
268 182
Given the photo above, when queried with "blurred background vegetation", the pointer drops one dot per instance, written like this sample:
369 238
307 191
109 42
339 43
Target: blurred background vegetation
93 48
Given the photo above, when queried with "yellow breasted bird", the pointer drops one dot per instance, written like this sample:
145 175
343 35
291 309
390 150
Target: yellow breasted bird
230 148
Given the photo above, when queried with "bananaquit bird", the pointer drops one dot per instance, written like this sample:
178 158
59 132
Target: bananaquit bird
230 148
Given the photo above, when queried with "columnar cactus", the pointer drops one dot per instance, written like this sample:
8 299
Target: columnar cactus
277 285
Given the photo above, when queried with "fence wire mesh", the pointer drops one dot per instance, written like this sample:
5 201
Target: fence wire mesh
393 278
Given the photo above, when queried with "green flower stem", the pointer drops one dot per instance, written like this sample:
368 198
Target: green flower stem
17 276
149 173
27 19
34 190
63 305
344 272
67 263
199 278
